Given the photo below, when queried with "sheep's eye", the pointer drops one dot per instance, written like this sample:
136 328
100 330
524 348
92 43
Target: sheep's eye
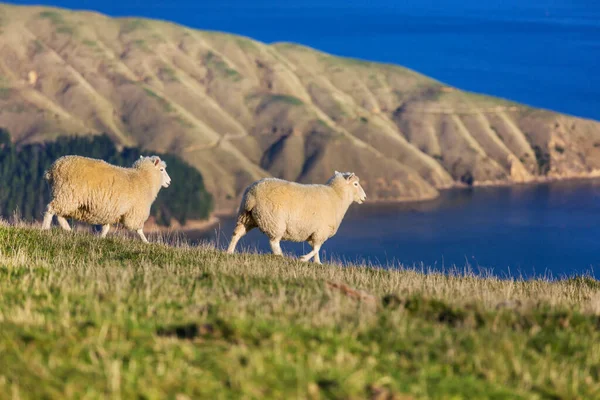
356 184
162 169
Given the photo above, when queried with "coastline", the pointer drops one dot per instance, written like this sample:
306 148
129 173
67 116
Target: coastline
205 225
538 180
595 174
202 226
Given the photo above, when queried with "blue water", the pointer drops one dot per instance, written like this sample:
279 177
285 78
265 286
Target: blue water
544 53
541 230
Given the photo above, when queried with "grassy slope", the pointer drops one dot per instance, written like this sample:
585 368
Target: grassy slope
86 318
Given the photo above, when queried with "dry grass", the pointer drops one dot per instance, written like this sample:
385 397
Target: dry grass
82 317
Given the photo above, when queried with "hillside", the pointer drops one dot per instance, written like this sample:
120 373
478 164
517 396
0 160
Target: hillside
238 109
82 317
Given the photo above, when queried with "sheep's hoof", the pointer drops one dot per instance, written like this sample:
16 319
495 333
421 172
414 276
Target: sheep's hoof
304 259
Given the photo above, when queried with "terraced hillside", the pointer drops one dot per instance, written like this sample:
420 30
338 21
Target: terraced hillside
238 109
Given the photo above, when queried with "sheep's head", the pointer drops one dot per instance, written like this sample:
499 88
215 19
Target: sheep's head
160 165
353 182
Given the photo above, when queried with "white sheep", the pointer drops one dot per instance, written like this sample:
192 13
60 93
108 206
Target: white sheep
291 211
99 193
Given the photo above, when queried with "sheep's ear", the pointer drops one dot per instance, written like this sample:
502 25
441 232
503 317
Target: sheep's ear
336 173
141 157
350 176
156 161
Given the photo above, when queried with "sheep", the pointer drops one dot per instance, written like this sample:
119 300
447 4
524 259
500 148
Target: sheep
100 193
296 212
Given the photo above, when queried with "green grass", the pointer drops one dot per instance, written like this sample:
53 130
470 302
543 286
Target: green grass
67 30
142 45
132 25
90 43
184 122
245 44
216 63
283 98
165 104
322 123
168 74
5 93
38 47
57 19
54 16
82 317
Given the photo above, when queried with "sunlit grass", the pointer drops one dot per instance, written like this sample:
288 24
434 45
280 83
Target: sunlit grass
82 317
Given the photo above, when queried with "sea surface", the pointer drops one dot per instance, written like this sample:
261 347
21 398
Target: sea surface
544 53
543 230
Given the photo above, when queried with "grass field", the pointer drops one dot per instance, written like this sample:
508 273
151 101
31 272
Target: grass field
82 317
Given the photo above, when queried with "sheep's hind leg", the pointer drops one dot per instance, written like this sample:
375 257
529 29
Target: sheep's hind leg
140 233
48 215
47 220
105 229
63 223
244 225
314 253
238 232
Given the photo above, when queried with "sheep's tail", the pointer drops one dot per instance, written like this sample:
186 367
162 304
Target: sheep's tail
246 206
248 201
48 176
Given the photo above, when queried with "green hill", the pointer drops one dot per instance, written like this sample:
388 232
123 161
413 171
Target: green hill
82 317
237 109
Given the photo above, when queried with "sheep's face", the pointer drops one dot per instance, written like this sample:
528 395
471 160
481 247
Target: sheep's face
165 179
358 193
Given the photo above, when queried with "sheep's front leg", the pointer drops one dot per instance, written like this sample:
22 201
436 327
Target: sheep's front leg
275 246
314 253
105 229
142 236
317 259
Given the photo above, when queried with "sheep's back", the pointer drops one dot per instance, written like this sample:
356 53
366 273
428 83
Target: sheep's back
86 172
90 190
298 209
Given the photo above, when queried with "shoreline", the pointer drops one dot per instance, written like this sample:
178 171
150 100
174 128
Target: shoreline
541 180
203 226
